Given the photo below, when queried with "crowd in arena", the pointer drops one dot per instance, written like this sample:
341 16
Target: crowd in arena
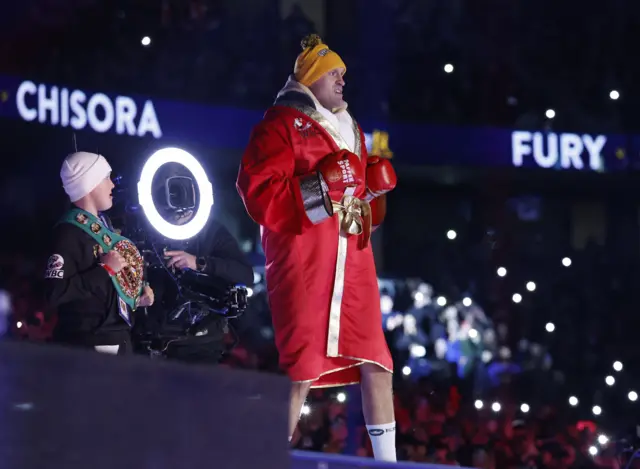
463 339
456 360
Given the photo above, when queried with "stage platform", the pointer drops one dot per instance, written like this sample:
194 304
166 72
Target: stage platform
308 460
76 409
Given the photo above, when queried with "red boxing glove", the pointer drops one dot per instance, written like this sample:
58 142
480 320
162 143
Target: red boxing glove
340 170
381 177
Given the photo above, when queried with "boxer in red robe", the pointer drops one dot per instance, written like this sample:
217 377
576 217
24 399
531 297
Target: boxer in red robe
306 179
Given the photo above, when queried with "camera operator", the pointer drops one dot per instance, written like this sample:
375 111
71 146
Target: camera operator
210 263
83 278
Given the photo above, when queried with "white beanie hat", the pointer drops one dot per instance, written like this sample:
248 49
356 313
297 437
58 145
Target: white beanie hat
82 172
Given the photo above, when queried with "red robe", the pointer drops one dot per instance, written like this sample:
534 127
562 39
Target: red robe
322 287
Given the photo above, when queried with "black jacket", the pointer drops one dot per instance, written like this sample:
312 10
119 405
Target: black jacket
226 265
225 262
81 292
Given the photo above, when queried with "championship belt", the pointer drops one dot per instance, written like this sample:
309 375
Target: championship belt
130 280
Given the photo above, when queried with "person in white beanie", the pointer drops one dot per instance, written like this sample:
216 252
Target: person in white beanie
83 277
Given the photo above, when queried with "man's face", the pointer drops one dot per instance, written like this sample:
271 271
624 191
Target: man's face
102 194
328 89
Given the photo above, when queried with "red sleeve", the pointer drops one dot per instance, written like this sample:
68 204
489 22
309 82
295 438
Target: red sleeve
273 196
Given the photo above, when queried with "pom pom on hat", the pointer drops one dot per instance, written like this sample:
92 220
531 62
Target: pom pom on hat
310 41
315 60
81 173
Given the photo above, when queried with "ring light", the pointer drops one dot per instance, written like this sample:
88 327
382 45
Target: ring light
166 229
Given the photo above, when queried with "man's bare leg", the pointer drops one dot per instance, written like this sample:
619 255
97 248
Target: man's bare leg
299 392
377 407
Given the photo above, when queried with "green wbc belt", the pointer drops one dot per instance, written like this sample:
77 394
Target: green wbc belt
129 281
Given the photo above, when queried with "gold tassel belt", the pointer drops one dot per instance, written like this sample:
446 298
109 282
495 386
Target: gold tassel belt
355 218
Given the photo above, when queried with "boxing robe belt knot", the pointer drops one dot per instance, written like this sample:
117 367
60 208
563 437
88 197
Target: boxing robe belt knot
354 217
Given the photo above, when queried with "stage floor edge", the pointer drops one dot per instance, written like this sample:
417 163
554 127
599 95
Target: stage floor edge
311 460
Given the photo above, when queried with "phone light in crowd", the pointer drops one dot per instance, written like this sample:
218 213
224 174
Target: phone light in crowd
394 321
386 304
496 407
597 410
306 409
501 272
473 334
517 297
524 408
573 401
617 366
448 68
467 301
145 197
341 397
566 262
531 286
610 380
146 41
550 327
417 351
633 396
479 404
550 113
486 356
418 297
442 301
406 371
452 234
19 324
614 94
603 439
593 450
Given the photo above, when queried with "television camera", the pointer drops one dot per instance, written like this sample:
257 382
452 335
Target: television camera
201 302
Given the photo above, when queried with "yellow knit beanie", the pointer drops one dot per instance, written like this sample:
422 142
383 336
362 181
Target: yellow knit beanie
315 60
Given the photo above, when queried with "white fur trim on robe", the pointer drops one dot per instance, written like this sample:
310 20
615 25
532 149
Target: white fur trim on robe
340 118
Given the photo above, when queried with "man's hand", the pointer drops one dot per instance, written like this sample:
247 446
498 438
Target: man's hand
147 297
114 261
181 260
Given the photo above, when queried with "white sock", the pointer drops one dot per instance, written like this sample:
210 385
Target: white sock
383 441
